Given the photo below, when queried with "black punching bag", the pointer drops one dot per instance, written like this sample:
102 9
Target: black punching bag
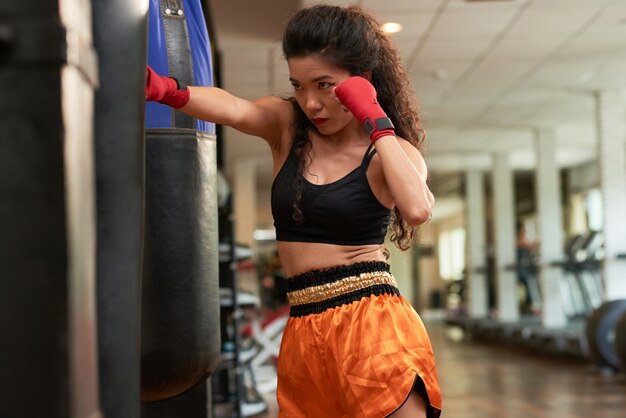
180 306
620 341
121 42
601 330
48 359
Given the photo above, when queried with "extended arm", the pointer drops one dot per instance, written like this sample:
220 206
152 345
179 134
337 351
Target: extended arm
266 117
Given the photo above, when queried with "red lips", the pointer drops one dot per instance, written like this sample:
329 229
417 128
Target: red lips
319 121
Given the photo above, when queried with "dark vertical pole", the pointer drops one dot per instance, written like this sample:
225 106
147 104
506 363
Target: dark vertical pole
236 313
219 129
47 216
120 36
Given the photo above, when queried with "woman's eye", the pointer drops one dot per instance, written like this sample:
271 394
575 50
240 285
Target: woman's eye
325 84
296 86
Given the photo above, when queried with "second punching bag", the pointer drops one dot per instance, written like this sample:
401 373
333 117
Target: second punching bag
180 306
119 152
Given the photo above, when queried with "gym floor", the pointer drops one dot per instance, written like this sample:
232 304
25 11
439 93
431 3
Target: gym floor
481 380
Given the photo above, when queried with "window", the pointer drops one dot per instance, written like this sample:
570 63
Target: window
593 204
452 253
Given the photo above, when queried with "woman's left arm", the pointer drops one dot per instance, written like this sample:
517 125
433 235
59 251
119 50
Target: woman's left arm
406 176
403 166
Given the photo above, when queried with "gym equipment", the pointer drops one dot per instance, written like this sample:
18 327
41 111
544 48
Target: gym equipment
620 341
119 151
180 306
266 336
581 284
227 383
601 330
47 244
589 275
570 292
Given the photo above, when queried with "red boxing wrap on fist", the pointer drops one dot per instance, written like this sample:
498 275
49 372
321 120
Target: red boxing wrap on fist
166 90
359 97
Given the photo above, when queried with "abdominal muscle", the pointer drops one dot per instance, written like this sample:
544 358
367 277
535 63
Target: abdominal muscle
300 257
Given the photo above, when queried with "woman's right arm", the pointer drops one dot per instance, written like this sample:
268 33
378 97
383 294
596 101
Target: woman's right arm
266 117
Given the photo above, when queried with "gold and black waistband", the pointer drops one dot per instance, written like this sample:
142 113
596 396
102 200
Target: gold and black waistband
318 290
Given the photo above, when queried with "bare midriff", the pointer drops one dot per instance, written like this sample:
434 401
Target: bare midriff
300 257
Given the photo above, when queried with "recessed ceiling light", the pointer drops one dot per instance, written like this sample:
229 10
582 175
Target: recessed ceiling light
392 27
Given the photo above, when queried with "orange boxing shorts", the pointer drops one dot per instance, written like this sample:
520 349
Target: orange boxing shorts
353 347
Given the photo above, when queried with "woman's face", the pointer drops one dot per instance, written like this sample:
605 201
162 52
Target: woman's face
314 79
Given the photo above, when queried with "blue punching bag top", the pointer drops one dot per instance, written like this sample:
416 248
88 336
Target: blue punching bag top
158 115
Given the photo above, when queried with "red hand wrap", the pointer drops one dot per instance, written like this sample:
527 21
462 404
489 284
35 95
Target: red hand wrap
165 90
359 97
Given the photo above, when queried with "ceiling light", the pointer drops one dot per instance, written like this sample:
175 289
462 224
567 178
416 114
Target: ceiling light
392 27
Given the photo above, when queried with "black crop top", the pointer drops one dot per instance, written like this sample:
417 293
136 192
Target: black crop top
344 212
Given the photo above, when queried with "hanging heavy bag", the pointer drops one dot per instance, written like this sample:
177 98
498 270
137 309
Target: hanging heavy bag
620 341
119 152
180 306
47 245
600 330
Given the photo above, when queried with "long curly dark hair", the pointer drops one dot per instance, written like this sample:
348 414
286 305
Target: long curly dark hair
353 39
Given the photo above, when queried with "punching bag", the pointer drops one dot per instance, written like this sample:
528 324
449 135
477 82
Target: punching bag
47 211
180 306
620 341
601 331
121 42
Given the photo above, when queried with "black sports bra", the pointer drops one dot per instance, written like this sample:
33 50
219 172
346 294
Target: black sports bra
344 212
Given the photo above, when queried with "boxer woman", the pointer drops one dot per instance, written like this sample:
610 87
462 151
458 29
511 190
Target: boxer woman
347 166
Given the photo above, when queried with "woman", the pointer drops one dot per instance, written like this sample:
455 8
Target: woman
343 161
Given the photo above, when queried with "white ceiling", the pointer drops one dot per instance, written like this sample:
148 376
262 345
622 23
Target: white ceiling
486 74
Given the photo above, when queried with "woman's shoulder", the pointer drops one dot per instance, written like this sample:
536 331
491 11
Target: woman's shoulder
282 107
282 112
